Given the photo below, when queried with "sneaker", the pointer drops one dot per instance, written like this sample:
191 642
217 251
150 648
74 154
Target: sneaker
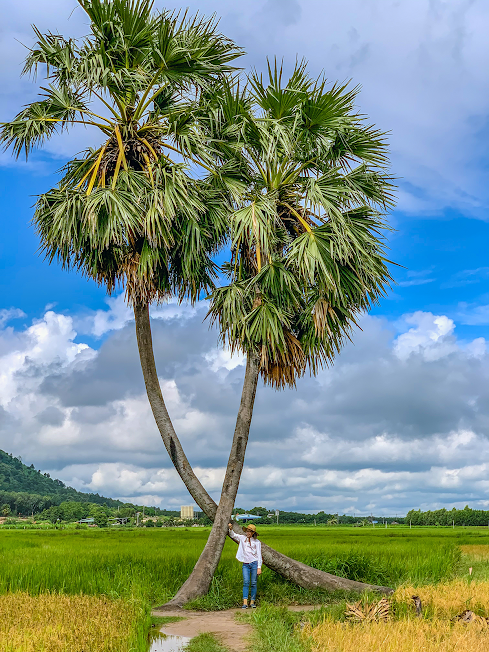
253 606
245 606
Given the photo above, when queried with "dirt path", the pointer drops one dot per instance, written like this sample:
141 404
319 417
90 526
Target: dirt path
232 633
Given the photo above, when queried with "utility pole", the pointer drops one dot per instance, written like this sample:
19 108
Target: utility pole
277 512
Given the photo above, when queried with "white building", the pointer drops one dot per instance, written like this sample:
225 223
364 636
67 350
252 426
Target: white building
186 512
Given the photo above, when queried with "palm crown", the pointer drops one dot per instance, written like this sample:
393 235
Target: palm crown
127 212
307 244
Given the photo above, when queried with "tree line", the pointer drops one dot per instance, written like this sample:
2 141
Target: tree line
465 516
14 503
320 517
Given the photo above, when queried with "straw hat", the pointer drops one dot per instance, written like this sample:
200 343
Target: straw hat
251 527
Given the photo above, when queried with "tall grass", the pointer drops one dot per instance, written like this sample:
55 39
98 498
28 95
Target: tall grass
151 564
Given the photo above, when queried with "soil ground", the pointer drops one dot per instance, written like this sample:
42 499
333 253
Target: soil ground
231 632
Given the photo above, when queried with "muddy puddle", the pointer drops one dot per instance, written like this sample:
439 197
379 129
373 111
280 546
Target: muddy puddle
168 643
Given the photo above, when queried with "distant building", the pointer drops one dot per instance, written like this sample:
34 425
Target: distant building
186 512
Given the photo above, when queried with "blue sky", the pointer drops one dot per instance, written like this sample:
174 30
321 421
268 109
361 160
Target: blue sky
422 66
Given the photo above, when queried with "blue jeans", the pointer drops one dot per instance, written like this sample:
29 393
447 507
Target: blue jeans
249 576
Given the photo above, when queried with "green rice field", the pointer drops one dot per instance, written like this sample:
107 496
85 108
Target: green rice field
145 567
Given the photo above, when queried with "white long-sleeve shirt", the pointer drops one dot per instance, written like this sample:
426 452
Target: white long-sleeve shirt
248 549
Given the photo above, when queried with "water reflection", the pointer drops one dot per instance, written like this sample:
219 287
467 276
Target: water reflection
168 643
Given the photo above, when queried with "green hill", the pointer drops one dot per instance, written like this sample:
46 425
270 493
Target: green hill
17 478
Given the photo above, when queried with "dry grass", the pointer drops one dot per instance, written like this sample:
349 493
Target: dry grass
409 635
62 623
447 600
476 552
435 632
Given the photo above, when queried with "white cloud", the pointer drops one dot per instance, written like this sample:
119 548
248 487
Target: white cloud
8 315
477 348
431 337
49 341
224 359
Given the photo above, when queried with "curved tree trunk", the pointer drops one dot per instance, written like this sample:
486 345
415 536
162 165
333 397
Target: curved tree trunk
297 572
160 413
199 581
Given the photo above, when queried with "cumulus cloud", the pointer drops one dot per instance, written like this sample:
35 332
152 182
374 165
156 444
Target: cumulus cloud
400 420
431 337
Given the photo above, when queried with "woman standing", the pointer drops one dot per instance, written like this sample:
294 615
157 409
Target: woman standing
249 553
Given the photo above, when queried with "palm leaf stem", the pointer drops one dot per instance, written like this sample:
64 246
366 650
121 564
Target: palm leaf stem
80 183
295 173
143 102
95 170
301 219
260 168
117 168
121 147
101 117
150 169
150 148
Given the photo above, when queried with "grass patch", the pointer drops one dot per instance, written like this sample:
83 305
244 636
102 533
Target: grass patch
275 630
205 643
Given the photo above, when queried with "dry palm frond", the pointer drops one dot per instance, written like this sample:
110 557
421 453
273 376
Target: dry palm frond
369 613
320 316
286 366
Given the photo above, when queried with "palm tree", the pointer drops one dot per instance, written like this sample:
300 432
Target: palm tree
128 213
307 245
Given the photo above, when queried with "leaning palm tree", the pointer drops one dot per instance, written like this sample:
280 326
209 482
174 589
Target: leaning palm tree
307 245
127 213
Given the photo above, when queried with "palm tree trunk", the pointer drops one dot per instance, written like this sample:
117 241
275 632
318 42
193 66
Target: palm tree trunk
160 413
199 581
290 569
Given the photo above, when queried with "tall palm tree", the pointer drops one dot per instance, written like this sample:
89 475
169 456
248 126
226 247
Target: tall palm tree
128 213
307 245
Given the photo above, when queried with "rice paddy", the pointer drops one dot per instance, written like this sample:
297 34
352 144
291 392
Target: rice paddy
56 623
111 578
